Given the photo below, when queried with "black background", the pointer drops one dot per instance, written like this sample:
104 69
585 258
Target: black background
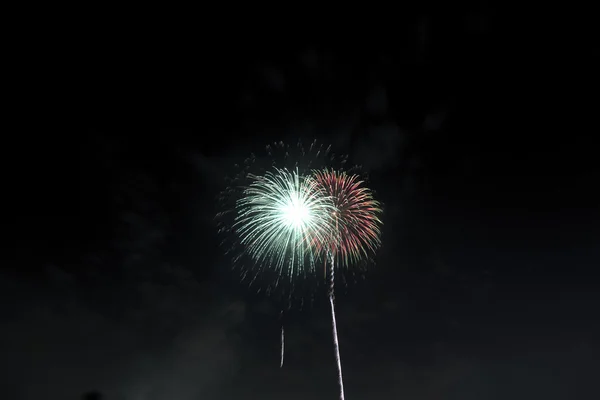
485 286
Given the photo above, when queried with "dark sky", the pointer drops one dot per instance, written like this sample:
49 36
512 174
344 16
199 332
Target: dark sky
485 286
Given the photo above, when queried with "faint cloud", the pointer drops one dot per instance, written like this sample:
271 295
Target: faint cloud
195 367
310 59
380 148
274 78
377 102
434 120
55 352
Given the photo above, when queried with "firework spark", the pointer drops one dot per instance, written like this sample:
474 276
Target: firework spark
355 219
279 218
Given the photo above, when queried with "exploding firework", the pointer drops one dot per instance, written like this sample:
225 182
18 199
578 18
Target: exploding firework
356 223
285 222
279 218
274 214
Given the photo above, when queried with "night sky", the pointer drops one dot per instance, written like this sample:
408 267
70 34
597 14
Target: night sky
486 285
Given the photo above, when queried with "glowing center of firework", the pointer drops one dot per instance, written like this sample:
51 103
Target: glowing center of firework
295 213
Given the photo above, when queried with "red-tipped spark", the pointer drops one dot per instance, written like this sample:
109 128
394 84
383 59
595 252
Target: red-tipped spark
356 224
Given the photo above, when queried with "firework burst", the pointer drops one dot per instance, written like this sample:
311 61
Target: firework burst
278 219
356 223
271 253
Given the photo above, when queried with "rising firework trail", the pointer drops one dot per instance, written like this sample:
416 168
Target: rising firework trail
354 235
282 346
336 345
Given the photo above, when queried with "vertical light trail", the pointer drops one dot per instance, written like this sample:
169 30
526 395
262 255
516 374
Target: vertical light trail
282 346
335 335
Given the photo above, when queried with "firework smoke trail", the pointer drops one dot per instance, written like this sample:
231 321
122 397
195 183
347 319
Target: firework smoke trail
335 335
